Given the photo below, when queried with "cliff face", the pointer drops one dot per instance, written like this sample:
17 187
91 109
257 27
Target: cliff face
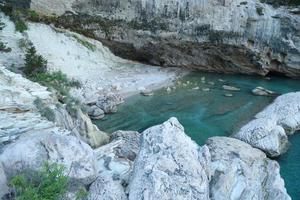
212 35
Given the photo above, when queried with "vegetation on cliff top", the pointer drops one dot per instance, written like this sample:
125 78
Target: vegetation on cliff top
50 183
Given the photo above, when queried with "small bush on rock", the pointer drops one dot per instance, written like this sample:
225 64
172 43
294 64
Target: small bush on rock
48 184
34 63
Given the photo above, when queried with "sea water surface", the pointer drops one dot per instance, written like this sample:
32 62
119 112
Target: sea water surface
210 113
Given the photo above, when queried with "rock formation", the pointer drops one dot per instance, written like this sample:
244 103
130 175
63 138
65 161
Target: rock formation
170 165
240 171
269 131
231 36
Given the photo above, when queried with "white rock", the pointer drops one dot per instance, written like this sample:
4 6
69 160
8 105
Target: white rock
269 130
31 152
170 166
242 172
230 88
260 91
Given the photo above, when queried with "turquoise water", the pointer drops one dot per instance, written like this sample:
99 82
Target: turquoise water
208 113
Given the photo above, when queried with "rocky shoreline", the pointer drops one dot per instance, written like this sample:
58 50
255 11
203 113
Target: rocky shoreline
162 162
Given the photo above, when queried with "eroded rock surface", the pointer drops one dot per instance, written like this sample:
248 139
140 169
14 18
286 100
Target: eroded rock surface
170 165
240 171
105 188
31 152
269 131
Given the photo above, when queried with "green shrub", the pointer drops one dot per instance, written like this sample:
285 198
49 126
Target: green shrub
34 63
15 15
49 183
20 25
57 81
32 16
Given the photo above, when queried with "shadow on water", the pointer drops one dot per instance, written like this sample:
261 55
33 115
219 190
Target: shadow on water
206 113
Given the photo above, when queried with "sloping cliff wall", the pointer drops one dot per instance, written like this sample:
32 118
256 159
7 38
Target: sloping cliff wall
234 36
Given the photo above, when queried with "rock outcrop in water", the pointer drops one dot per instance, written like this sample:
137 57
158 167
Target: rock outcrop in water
232 36
240 171
269 131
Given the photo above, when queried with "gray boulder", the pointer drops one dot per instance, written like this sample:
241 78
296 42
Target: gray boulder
109 103
95 112
31 152
240 171
170 166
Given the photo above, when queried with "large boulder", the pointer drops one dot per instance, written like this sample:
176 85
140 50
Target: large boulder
240 171
170 165
32 151
269 131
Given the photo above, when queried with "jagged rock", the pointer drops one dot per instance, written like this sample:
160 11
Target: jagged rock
109 103
230 88
271 127
95 112
3 182
242 172
117 157
81 126
105 188
260 91
32 151
131 144
170 165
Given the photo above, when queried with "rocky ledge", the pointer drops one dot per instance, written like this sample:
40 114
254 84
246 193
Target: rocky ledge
270 129
232 36
164 163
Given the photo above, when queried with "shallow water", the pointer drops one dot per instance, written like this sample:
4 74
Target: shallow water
208 113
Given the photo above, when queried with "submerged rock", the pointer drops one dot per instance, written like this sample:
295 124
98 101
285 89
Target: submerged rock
228 95
230 88
170 165
271 127
240 171
260 91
